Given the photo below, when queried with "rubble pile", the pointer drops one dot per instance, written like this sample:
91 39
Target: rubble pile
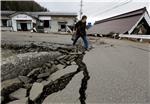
22 64
33 74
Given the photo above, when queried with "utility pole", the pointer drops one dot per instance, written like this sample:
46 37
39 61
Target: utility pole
81 5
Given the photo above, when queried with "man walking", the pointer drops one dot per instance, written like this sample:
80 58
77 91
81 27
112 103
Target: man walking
80 29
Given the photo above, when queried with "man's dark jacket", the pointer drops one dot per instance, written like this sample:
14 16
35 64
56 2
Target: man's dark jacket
80 28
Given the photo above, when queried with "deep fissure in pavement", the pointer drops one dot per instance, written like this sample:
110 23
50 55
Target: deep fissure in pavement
83 87
84 81
62 82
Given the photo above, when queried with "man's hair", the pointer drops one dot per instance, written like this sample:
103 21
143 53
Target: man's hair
84 16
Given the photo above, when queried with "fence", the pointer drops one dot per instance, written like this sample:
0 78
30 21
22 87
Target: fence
134 36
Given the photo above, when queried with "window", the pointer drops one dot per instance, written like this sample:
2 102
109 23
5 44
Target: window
62 26
28 26
18 26
4 22
9 23
46 23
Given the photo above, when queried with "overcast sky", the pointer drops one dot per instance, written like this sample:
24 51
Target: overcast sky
95 9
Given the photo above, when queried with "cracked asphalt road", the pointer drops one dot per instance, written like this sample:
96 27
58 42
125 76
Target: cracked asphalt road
119 70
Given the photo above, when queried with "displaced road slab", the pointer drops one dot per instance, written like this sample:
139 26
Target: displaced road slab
68 95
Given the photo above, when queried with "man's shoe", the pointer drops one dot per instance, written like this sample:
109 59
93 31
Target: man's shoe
87 49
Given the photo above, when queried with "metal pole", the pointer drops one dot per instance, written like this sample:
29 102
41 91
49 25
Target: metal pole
81 5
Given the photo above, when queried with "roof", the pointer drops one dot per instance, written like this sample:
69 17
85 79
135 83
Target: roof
117 24
5 17
53 13
16 13
7 12
36 14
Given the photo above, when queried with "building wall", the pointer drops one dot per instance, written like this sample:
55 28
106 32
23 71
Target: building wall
7 26
146 16
14 25
69 20
45 17
55 20
22 17
8 23
54 26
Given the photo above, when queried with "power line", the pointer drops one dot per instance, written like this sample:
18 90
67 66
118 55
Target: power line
107 10
94 12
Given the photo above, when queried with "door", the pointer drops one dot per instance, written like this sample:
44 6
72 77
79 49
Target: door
23 26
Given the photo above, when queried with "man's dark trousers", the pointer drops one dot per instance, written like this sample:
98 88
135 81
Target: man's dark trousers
84 38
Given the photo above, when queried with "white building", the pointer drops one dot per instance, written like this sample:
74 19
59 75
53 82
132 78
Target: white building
46 21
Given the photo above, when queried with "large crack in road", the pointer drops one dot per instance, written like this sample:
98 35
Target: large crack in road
63 81
83 87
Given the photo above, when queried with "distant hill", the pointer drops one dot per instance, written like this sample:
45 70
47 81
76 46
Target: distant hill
22 6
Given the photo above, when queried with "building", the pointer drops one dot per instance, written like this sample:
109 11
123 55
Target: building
25 21
134 22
